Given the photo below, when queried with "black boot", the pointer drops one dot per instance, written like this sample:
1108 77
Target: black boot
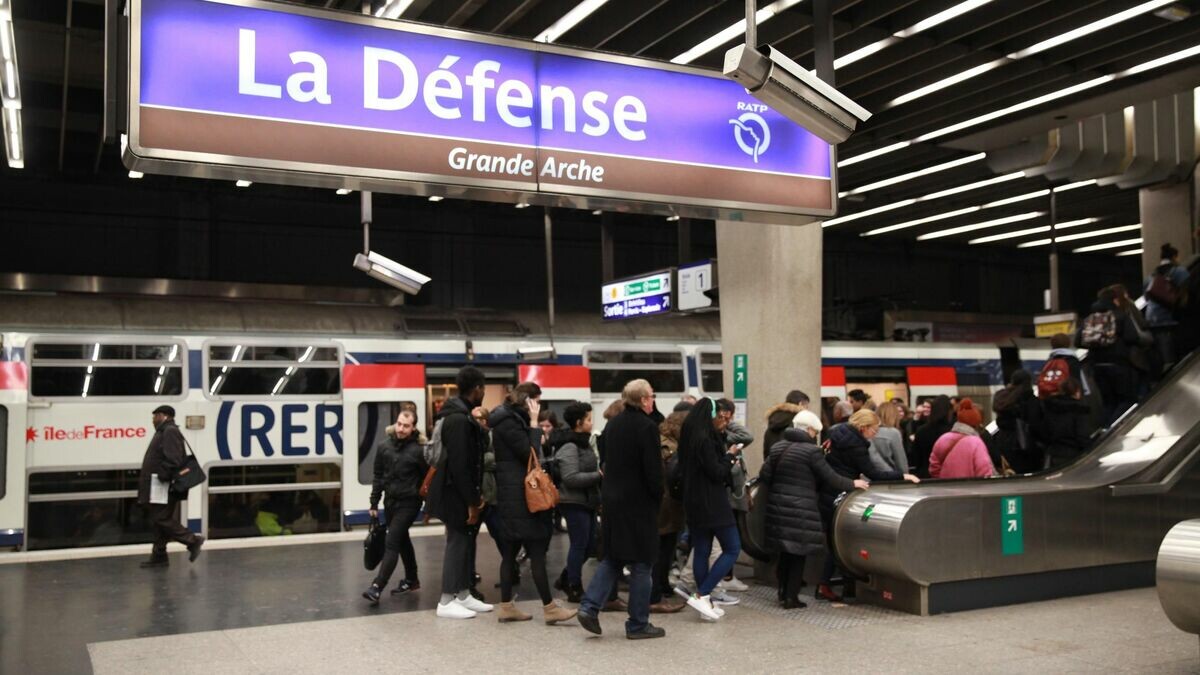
194 548
560 583
155 560
574 593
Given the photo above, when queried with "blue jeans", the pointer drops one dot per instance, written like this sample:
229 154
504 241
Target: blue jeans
605 581
702 538
581 526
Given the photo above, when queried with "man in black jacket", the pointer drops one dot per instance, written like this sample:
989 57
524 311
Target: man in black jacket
631 494
454 495
160 465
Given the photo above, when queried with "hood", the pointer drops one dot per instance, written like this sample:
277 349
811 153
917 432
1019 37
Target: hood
797 436
844 435
507 411
454 406
776 419
560 437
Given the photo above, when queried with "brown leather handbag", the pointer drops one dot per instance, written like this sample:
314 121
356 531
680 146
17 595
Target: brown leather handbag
540 493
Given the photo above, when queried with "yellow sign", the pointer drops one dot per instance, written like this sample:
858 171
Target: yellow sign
1045 330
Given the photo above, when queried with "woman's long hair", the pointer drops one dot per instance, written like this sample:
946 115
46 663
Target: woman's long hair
698 428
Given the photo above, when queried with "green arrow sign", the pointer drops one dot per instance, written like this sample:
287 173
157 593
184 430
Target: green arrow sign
1012 526
739 376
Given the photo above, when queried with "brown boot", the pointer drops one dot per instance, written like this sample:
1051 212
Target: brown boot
553 613
507 611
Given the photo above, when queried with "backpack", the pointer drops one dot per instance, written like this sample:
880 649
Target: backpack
1099 330
1053 374
433 449
1162 290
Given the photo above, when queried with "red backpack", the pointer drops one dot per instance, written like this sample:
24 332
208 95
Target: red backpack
1054 373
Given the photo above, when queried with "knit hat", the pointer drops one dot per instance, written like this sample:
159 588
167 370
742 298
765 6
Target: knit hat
165 410
807 418
968 414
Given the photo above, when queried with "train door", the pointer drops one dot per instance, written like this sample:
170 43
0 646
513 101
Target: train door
12 453
373 396
561 385
440 387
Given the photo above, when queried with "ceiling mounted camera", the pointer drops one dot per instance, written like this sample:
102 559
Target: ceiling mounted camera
390 272
796 93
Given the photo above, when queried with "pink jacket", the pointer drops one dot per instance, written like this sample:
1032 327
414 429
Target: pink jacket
957 455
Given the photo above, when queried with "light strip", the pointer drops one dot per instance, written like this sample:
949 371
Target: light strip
136 174
974 186
873 154
216 385
1018 198
931 195
1072 186
869 212
1136 251
1010 235
10 90
734 30
1081 235
243 183
863 52
980 226
914 174
921 221
1111 244
394 9
569 20
922 25
1028 51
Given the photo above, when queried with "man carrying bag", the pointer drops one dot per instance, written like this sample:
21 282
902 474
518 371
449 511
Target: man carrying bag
166 466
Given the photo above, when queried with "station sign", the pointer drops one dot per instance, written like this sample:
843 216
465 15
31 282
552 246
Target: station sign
693 280
293 94
645 295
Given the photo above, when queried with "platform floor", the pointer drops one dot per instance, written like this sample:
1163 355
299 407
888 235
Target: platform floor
297 609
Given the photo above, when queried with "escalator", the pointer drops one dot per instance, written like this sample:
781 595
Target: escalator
1094 526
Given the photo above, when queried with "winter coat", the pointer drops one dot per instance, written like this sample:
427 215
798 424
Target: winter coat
706 470
580 470
164 457
1127 337
960 455
670 512
633 488
922 446
1015 408
455 486
1066 429
793 472
736 434
779 420
850 455
399 470
513 439
887 450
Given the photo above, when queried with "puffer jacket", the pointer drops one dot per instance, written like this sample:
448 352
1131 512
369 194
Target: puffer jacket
960 453
794 473
399 470
513 439
580 470
850 455
779 420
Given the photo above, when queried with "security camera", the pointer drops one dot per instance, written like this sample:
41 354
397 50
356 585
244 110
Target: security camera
538 353
796 93
390 272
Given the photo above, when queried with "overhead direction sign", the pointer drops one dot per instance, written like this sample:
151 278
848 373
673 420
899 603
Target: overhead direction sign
645 295
286 93
693 280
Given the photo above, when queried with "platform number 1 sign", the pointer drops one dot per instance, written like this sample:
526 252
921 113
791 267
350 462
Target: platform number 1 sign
1012 529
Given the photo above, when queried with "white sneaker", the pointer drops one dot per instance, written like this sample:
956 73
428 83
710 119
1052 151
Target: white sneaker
475 605
723 598
735 585
720 611
703 605
454 610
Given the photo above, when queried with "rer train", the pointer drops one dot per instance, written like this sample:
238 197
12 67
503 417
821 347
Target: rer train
282 404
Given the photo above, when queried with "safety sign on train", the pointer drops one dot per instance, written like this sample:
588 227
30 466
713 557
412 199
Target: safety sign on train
275 90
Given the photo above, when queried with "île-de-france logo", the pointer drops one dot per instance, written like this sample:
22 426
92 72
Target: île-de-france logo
751 132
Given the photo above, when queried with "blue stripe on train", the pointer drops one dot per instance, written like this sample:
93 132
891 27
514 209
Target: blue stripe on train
12 538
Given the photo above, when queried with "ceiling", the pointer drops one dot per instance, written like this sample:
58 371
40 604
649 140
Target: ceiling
63 124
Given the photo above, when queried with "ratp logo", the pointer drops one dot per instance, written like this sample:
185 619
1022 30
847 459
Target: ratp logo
751 124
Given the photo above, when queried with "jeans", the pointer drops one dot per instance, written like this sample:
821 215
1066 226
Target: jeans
581 527
702 538
662 566
456 563
605 581
400 518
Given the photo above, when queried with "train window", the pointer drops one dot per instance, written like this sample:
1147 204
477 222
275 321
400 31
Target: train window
611 369
273 371
76 369
266 500
712 375
3 449
74 509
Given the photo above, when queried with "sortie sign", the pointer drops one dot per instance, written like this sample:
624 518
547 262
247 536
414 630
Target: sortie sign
637 296
295 94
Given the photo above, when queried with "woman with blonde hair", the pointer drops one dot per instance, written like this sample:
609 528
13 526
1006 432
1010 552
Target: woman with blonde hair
887 448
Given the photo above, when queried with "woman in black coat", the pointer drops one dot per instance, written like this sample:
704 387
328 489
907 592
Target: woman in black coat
399 470
794 468
707 467
514 438
941 418
1018 413
1066 427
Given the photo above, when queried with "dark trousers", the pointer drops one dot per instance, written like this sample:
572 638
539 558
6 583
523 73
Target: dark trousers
581 529
790 573
1118 388
536 550
399 545
456 563
165 519
604 584
667 544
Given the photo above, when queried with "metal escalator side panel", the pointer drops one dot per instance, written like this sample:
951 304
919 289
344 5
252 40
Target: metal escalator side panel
1178 575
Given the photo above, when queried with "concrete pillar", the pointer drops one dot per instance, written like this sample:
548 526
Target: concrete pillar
770 288
1166 215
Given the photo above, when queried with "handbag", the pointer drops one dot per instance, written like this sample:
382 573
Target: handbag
373 545
195 475
540 493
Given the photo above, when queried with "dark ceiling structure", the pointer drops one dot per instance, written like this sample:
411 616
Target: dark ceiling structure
933 72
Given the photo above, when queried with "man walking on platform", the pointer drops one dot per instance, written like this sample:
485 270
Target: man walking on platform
632 492
162 464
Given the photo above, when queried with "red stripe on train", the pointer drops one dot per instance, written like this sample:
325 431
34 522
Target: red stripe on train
384 376
556 377
833 376
12 375
932 376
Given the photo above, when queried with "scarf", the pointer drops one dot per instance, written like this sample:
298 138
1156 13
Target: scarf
964 429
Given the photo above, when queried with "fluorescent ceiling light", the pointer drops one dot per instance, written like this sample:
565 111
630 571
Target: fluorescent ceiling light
569 20
136 174
522 205
1136 251
874 153
1010 235
981 226
10 91
344 191
243 183
393 9
868 212
1061 226
864 52
1100 233
915 174
672 218
921 221
914 200
1072 186
1111 244
1018 198
597 212
1160 61
945 82
436 198
941 17
974 186
734 30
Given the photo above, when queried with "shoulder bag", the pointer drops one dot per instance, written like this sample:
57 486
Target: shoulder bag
540 493
195 475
